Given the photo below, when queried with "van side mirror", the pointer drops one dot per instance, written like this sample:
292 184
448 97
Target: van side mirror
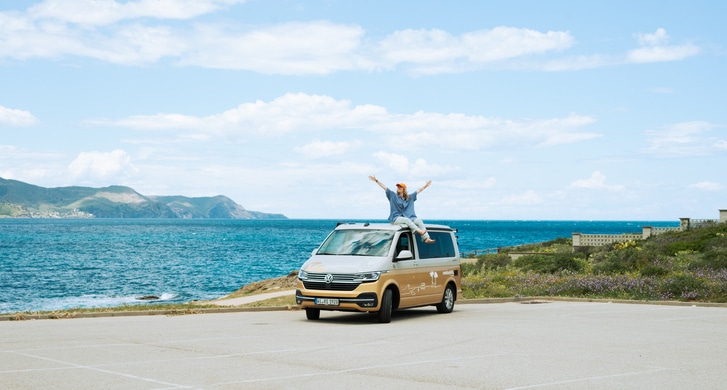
405 255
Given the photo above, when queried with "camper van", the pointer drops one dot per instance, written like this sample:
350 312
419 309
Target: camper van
380 268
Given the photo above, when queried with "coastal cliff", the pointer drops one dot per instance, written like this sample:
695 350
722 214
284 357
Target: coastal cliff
23 200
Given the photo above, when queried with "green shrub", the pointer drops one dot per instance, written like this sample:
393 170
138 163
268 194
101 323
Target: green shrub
686 266
616 261
549 263
653 270
695 239
469 269
681 246
486 263
494 261
683 286
711 259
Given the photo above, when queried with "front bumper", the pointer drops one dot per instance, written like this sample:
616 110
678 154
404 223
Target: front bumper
367 301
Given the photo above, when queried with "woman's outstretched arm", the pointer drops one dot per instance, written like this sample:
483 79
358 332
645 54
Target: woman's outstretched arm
375 180
424 187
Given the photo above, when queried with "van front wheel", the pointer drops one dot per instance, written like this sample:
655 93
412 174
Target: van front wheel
447 304
312 314
385 310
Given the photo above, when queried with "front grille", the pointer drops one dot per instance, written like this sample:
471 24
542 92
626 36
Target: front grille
341 282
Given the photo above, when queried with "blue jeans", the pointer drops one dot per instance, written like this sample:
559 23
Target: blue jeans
416 224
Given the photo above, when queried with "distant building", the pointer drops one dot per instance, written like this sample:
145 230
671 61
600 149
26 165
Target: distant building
585 240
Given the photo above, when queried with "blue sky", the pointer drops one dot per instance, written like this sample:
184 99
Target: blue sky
564 110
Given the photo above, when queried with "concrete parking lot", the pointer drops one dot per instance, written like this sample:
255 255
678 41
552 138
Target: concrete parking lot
549 345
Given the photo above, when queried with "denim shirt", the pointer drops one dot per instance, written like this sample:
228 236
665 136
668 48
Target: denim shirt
398 207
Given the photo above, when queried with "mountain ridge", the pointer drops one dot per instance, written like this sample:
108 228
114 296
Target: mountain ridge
23 200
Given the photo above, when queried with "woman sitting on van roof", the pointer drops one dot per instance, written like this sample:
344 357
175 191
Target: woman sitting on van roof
401 208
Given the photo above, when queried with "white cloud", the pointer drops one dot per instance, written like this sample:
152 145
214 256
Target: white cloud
119 33
31 165
102 12
663 54
27 174
151 31
155 122
128 45
314 113
417 169
92 29
288 113
655 49
437 51
655 39
52 31
319 149
317 47
487 183
476 132
15 117
396 162
597 181
100 165
685 139
557 131
707 186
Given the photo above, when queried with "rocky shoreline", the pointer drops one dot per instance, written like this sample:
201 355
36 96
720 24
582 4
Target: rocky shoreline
287 282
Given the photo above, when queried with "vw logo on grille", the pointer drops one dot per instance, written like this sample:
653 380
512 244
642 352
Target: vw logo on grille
328 278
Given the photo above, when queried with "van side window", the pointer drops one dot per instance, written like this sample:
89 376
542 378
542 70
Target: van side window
403 244
442 246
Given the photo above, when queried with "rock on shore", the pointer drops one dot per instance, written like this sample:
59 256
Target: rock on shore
282 283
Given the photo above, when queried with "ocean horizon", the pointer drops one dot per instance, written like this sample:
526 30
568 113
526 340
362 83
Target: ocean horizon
55 264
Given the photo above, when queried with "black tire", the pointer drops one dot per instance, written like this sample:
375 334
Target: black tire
386 307
447 304
312 314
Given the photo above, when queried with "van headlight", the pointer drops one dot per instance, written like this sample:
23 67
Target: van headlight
364 277
302 275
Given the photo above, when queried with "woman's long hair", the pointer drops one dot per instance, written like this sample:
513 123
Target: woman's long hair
404 194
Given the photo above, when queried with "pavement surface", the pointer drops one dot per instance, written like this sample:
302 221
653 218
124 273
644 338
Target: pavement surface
515 345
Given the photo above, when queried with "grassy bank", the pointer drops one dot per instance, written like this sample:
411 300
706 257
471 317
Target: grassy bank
683 266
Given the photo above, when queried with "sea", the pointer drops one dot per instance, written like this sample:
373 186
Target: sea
55 264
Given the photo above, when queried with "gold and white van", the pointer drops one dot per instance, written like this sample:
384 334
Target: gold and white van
380 268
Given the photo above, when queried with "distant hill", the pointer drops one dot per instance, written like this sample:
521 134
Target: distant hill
19 199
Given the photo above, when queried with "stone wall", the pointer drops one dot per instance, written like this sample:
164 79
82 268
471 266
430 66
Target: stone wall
603 239
581 240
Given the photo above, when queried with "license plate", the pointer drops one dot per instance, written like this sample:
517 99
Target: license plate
327 301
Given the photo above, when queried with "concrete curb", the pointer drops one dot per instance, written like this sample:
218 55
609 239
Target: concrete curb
191 310
594 300
233 309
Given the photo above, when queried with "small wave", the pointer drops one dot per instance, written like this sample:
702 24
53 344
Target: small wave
167 296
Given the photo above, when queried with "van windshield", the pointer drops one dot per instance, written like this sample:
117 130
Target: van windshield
357 243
